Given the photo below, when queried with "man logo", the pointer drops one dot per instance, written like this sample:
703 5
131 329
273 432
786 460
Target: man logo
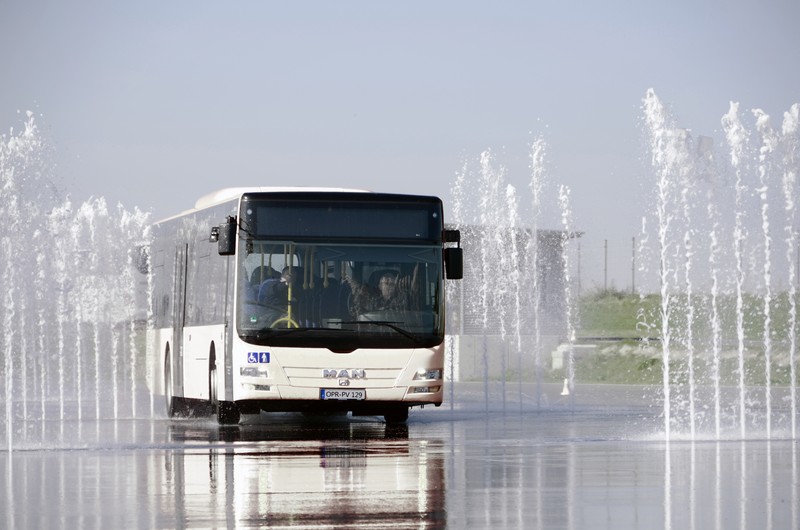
344 374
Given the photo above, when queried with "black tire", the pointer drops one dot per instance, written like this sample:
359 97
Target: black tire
396 415
176 407
212 378
169 392
227 412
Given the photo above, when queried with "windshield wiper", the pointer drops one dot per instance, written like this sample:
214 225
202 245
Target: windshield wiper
390 325
270 333
274 333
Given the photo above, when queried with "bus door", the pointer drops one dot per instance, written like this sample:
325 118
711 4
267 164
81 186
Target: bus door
178 317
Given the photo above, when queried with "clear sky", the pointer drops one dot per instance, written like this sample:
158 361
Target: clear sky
154 103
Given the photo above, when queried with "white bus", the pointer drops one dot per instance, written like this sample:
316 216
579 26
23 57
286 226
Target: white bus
287 299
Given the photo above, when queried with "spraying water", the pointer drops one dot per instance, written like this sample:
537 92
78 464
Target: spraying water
459 222
791 162
712 236
516 283
67 333
537 185
741 219
737 138
569 316
491 236
716 325
501 297
659 144
765 152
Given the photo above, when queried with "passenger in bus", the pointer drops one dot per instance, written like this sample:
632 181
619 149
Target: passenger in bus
390 292
259 276
275 294
262 273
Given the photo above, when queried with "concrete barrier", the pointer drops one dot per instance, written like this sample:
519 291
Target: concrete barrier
562 351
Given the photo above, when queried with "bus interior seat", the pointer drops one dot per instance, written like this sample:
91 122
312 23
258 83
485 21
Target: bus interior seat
264 288
262 273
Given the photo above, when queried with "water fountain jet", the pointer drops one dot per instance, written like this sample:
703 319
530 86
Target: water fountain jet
687 175
67 288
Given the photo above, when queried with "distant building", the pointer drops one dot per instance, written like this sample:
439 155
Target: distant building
503 299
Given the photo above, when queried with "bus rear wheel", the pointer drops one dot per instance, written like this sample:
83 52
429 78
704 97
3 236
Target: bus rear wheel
176 407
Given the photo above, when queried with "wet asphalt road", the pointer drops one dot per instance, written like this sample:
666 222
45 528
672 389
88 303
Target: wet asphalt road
598 461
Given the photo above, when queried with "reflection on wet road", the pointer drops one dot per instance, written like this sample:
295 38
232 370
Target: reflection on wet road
577 467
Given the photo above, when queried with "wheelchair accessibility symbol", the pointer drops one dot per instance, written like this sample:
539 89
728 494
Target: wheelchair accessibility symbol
258 357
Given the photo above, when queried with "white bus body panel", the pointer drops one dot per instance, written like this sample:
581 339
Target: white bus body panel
197 342
388 374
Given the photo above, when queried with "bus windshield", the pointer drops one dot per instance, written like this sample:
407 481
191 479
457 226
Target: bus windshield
341 295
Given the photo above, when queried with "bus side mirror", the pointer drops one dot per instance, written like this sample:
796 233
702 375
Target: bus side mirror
454 263
453 256
451 236
225 235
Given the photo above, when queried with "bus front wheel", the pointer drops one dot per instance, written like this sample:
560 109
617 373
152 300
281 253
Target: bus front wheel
227 412
396 415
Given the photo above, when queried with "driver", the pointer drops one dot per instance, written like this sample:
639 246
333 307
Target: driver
392 293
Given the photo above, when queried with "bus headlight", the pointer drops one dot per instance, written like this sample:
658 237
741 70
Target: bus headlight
425 374
253 371
425 389
260 388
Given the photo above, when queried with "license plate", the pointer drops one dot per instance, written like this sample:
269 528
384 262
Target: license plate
338 393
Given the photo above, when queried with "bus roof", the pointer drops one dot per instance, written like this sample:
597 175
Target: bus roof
227 194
